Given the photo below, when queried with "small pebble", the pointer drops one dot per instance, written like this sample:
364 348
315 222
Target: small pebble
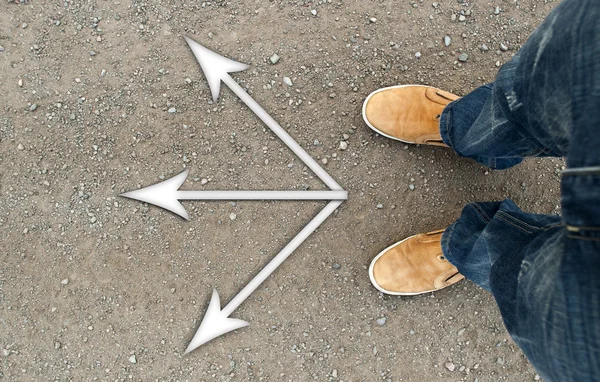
450 366
57 345
461 18
274 59
20 147
324 160
412 187
379 206
373 20
314 12
484 47
463 57
99 39
92 53
1 49
447 40
65 282
132 359
503 47
24 25
232 216
336 266
172 110
343 145
381 321
287 81
103 73
497 11
20 82
418 55
33 107
334 373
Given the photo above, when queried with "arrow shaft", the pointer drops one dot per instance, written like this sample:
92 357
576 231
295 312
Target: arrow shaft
281 257
262 195
281 133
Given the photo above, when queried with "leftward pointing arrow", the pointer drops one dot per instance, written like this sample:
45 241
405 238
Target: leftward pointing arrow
167 195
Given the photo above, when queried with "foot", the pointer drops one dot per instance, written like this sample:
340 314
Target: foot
407 113
413 266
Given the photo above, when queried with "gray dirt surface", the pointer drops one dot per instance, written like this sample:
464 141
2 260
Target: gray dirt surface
102 97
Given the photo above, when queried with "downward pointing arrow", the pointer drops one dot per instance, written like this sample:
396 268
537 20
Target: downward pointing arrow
216 321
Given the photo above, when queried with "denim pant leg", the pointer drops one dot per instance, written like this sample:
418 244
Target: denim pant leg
544 271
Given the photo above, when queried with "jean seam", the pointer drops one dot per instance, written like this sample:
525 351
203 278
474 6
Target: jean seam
506 219
575 237
481 213
450 232
585 228
449 125
535 152
523 226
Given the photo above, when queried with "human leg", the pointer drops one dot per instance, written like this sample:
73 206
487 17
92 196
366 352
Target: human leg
543 271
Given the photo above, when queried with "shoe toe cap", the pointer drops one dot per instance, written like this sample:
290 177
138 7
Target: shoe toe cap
378 113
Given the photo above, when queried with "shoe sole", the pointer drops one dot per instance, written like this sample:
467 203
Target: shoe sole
381 289
364 113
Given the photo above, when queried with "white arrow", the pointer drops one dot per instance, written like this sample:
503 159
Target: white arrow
216 68
216 320
167 195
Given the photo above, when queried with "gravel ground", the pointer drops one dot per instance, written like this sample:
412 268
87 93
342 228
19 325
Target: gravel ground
101 97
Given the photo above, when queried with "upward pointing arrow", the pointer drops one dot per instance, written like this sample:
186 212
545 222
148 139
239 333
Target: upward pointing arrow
216 68
216 321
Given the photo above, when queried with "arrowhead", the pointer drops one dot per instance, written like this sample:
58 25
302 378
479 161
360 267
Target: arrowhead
214 66
214 324
163 194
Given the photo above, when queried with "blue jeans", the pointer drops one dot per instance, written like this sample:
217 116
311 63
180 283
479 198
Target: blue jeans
544 271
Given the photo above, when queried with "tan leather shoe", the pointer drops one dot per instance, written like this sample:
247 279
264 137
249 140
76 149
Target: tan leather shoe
413 266
407 113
